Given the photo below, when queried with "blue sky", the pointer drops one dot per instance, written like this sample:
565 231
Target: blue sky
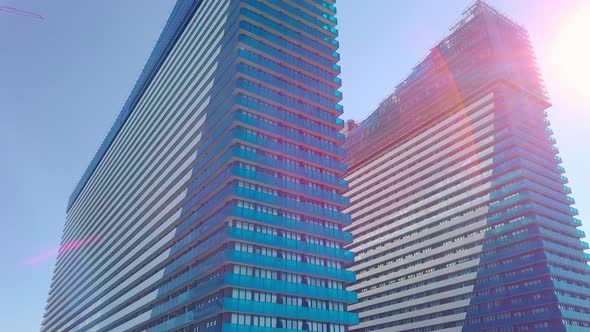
64 79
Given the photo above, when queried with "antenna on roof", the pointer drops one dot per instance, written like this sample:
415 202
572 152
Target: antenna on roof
20 12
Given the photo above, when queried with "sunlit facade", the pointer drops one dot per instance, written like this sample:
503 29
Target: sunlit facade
214 203
462 219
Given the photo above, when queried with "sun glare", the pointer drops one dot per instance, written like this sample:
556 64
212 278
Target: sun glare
569 56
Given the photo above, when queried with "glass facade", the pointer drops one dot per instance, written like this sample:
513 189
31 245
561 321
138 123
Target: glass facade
215 202
462 219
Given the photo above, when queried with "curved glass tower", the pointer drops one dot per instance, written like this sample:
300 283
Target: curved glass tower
214 203
461 212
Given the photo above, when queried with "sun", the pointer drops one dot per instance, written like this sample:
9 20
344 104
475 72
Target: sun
569 54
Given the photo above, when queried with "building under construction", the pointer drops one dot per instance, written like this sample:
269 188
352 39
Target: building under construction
462 220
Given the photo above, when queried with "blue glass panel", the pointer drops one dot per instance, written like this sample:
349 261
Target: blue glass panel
275 309
288 265
284 287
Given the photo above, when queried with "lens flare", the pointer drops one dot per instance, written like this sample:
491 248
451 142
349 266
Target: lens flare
68 246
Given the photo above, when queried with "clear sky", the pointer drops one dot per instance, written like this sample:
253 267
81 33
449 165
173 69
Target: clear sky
64 79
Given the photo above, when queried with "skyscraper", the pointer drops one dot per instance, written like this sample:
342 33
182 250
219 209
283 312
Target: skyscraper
461 214
214 203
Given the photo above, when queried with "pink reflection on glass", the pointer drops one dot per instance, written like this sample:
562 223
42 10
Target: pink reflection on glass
68 246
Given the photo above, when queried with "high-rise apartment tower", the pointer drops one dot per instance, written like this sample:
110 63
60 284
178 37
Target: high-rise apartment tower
461 213
214 203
